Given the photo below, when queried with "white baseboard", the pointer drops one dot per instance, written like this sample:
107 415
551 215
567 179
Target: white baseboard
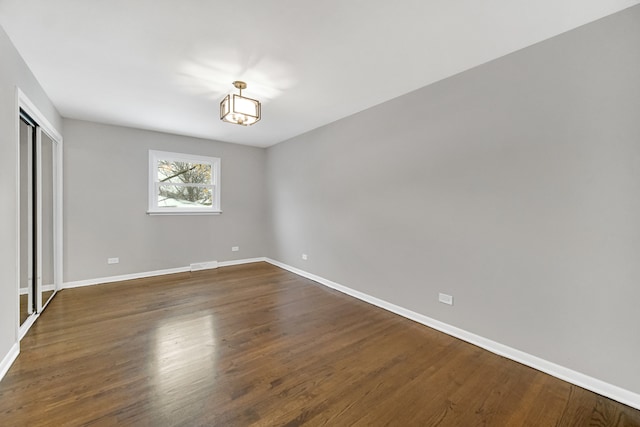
585 381
120 278
9 359
24 328
241 261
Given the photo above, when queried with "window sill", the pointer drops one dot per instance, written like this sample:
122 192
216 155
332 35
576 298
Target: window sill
181 212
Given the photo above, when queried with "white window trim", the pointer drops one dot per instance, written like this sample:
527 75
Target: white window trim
155 156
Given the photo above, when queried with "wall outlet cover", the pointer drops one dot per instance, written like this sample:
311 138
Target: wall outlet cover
445 299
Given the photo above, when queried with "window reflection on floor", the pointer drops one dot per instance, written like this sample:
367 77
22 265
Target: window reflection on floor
185 356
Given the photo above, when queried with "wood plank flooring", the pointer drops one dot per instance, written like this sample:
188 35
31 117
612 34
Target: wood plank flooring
257 345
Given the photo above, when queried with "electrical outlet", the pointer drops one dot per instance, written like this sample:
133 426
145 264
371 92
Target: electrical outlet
113 260
235 248
304 257
445 299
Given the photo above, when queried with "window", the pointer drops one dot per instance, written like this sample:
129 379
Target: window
183 183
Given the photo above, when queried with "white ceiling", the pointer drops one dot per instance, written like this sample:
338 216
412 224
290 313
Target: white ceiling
166 64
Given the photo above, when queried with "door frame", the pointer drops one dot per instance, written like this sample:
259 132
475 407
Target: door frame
25 104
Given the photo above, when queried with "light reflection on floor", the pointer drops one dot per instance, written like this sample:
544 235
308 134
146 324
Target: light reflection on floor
185 356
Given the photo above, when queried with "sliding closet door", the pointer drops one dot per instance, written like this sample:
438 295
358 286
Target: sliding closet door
27 246
40 214
45 219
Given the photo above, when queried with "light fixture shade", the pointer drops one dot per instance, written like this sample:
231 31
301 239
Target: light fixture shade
238 109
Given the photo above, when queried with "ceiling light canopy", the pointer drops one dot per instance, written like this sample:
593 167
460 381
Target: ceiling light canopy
238 109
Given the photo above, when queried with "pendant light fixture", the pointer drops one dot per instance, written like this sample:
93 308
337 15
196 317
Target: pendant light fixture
239 109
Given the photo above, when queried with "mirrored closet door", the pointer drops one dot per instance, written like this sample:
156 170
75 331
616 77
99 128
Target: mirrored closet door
27 248
39 220
45 220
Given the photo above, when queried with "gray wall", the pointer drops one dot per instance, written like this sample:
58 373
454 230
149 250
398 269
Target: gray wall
105 204
13 73
514 187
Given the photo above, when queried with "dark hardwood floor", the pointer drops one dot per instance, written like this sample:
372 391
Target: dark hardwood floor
257 345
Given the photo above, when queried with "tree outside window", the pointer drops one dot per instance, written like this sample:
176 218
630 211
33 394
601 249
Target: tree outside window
183 183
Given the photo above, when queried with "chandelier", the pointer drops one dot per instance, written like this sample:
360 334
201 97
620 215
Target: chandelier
239 109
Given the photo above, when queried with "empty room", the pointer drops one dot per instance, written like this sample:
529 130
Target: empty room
342 212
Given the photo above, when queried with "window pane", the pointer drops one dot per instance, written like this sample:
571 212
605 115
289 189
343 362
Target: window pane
184 196
183 183
184 172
